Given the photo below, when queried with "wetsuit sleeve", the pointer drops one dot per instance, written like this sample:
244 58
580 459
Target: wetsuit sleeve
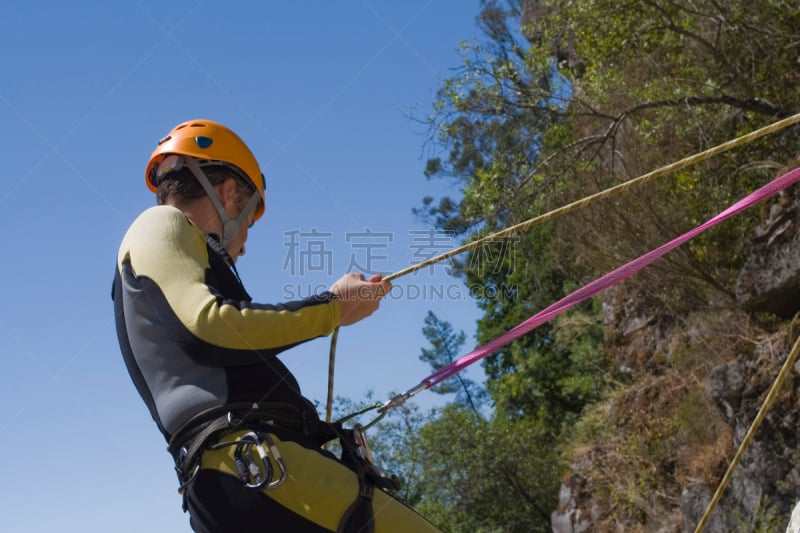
166 249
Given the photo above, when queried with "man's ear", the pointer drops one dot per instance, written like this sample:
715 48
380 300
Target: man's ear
227 190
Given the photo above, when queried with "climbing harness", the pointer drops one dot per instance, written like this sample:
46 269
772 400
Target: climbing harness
255 451
205 430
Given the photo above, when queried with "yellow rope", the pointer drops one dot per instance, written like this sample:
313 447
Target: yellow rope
331 366
773 391
331 371
711 152
522 226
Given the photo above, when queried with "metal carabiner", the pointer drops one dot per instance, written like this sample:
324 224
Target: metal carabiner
249 469
362 444
364 452
264 445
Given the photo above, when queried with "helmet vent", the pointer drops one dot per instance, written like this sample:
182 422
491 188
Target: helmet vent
203 142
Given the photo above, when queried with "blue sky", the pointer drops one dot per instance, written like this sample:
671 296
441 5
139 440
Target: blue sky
321 91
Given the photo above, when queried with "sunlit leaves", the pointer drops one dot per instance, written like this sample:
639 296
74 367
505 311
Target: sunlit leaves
650 82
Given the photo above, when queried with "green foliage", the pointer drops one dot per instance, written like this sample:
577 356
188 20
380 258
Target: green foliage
445 345
482 476
552 383
465 473
655 82
766 520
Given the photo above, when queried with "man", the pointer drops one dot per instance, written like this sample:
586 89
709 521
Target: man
203 356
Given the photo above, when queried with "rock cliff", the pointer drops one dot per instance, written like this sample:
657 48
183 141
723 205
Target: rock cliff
693 386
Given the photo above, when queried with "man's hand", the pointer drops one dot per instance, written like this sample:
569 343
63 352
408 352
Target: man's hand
359 297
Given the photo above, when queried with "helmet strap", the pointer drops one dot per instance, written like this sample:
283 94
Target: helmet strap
230 227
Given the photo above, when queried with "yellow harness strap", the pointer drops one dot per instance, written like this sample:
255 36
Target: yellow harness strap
319 488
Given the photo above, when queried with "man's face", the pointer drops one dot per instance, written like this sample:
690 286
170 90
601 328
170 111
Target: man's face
234 199
236 247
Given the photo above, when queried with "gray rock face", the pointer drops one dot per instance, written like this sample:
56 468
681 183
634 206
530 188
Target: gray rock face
569 517
770 279
725 385
766 484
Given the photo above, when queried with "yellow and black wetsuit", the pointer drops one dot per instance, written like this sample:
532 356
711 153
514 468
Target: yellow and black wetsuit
194 342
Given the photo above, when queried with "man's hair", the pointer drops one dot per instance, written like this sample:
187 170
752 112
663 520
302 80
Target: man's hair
181 185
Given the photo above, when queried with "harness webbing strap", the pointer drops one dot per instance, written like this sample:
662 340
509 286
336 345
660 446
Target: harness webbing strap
190 440
187 457
360 516
202 433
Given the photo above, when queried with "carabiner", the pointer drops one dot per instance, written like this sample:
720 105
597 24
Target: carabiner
249 469
264 445
362 444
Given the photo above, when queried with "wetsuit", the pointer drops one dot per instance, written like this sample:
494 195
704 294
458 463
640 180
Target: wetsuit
194 342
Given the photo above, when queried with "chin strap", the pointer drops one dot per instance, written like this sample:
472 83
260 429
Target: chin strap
230 227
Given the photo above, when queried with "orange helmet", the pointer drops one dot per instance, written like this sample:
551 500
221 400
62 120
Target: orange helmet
211 141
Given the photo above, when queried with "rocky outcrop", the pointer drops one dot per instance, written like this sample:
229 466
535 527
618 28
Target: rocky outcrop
770 279
571 517
766 482
728 375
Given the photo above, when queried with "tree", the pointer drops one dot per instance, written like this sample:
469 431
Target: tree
443 351
563 99
492 116
658 81
487 476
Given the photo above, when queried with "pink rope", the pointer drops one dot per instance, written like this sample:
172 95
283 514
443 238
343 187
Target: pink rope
607 281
